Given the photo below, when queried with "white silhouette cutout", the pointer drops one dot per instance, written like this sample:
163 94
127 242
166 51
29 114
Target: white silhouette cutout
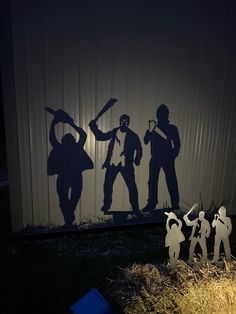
173 239
223 227
200 231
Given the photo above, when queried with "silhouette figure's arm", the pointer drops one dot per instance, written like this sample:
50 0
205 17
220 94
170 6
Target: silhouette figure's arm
215 222
167 224
187 221
139 153
82 134
180 224
148 134
52 137
147 137
176 141
208 229
99 135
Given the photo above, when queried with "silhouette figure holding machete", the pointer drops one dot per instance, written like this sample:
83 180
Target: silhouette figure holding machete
124 150
200 232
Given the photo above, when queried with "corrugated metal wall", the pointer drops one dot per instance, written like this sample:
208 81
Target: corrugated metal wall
76 55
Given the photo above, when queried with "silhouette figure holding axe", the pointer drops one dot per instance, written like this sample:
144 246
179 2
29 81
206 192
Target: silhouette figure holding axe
124 151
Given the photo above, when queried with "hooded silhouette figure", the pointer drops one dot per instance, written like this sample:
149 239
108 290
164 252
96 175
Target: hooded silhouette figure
165 145
223 229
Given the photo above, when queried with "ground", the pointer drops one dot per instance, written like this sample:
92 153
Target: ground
47 274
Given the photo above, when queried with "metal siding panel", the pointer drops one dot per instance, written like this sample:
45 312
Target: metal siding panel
10 115
36 101
87 103
53 94
79 54
21 87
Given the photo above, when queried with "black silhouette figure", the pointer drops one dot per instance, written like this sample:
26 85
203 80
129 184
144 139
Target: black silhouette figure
165 146
123 151
68 160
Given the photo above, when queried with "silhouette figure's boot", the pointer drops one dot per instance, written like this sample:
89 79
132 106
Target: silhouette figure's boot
105 208
149 207
137 211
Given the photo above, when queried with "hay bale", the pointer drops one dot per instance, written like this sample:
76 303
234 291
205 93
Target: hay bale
201 289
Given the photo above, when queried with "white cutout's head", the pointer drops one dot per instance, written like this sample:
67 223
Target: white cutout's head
222 211
201 215
174 227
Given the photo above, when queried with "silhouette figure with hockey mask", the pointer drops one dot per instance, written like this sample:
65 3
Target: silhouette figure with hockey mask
200 232
124 150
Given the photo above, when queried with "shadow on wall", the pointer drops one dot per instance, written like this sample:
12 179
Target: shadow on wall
68 160
124 151
165 145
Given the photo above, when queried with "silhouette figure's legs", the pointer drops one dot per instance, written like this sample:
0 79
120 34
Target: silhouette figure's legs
172 183
174 251
217 249
62 190
227 248
68 204
127 173
76 189
193 244
154 171
203 246
110 176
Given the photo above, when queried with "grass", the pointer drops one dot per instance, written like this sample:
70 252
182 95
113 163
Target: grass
201 289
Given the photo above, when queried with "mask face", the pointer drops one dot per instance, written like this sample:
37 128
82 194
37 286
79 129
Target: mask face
124 123
201 215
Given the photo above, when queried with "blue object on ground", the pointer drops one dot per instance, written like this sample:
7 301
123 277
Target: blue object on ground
92 303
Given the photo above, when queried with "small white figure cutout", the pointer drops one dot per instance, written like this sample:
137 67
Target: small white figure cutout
223 228
200 231
173 238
